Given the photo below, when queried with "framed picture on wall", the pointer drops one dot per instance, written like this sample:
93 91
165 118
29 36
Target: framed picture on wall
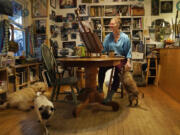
39 8
86 1
166 6
40 26
67 3
82 10
70 44
155 7
53 3
70 17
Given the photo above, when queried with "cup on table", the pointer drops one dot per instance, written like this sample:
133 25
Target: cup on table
111 53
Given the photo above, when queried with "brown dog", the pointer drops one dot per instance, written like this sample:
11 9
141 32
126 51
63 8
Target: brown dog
23 99
130 86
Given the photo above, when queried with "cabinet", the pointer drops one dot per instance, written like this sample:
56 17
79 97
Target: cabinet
169 72
132 25
3 84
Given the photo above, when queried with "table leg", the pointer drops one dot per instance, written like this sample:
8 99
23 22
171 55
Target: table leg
91 95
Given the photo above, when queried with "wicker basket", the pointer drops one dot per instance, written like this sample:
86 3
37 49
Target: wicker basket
138 11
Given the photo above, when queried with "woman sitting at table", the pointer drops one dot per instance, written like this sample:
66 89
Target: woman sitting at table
118 42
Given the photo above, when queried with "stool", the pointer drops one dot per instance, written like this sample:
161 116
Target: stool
149 58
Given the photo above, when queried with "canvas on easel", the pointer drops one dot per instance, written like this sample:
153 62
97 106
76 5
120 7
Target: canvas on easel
91 40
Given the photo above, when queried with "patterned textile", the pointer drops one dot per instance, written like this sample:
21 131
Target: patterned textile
5 39
29 41
1 35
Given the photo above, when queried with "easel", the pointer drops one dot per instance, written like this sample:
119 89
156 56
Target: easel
90 39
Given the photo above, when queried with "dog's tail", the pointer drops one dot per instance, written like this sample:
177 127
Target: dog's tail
5 105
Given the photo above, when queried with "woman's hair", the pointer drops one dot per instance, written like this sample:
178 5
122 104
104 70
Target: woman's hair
117 19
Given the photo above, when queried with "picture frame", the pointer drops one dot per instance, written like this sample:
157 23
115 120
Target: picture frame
83 10
73 36
53 15
67 4
40 26
154 7
86 1
166 6
70 17
39 8
69 44
59 18
53 3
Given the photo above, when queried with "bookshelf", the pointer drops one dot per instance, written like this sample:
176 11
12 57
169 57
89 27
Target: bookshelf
25 74
132 23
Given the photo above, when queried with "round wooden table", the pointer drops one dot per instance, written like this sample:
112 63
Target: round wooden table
91 66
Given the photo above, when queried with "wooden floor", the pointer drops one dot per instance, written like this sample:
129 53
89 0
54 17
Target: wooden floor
159 115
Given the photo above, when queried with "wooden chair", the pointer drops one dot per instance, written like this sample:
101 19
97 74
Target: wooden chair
57 80
120 83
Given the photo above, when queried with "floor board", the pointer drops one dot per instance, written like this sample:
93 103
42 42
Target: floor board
158 114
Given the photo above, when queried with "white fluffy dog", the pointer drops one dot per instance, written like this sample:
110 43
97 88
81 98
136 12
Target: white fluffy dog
23 99
44 109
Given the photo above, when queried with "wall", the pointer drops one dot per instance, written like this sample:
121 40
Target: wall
147 18
167 16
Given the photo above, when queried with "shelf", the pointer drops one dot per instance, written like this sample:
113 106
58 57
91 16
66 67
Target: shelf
126 25
137 29
11 75
40 34
131 25
23 84
137 16
94 17
27 69
34 80
2 91
109 17
151 76
136 40
126 31
2 69
122 3
107 31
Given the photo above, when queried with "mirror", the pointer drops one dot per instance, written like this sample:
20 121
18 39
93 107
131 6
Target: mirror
160 30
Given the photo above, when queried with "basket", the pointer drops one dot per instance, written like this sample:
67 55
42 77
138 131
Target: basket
138 11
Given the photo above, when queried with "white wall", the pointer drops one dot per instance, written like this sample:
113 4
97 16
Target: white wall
167 16
147 18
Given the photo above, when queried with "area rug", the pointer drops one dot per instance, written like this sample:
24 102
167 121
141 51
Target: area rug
95 116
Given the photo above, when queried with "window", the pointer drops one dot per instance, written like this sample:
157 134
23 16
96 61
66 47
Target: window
18 22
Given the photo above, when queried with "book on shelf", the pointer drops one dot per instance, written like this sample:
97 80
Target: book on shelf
96 11
21 77
137 55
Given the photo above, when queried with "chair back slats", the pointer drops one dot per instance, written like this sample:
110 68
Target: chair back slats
50 62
